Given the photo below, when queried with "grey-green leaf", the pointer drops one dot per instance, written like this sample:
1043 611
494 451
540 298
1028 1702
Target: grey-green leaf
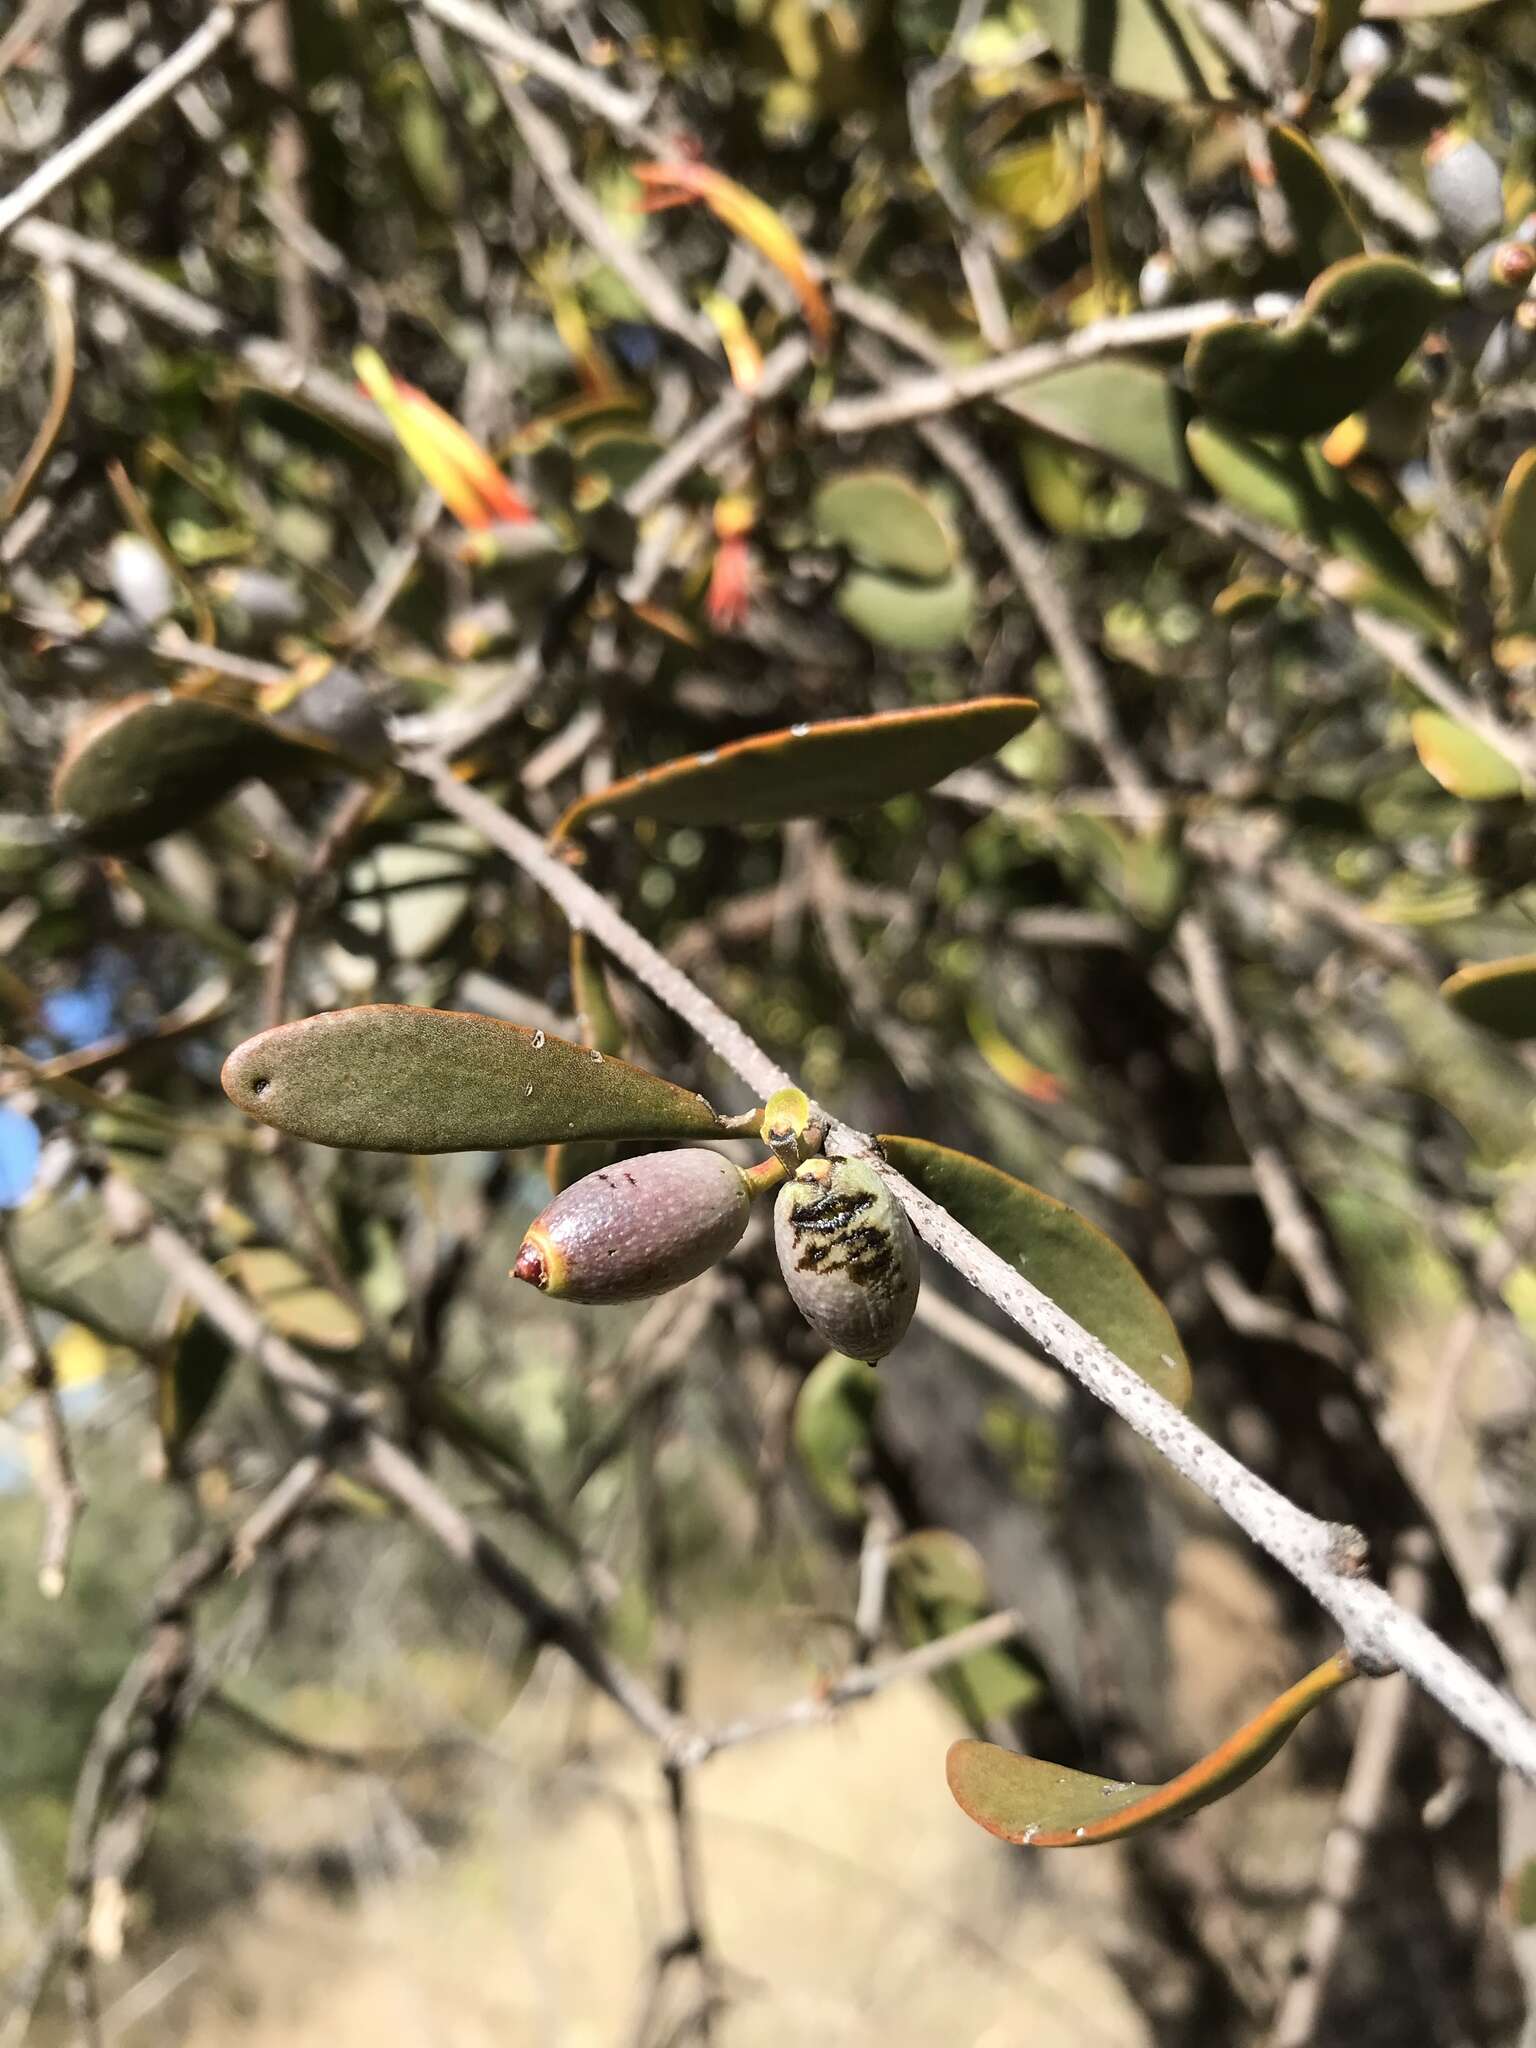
1061 1252
1125 411
886 522
1359 324
1154 47
811 771
154 762
387 1077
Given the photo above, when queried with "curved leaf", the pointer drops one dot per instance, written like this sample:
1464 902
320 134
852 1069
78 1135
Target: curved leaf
938 1584
411 894
1498 994
1460 761
1125 410
834 1414
153 762
1514 539
1041 1805
1358 325
912 618
1324 227
1298 489
190 1379
885 522
387 1077
292 1300
811 771
1060 1252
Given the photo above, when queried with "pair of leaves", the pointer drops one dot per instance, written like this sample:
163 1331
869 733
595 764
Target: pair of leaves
811 771
1040 1805
907 588
390 1078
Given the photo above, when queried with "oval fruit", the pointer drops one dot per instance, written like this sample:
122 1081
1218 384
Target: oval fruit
848 1255
636 1228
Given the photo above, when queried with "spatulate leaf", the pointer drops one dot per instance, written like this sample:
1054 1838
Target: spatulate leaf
292 1300
1297 489
811 771
1155 47
154 762
1323 225
1059 1251
1124 410
906 616
387 1077
1041 1805
1514 540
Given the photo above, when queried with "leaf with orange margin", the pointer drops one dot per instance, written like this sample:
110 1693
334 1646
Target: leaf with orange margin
811 771
1040 1805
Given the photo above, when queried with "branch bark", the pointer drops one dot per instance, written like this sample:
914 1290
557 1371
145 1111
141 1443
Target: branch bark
1323 1557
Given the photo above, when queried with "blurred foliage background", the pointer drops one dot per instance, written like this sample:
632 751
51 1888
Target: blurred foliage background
1230 950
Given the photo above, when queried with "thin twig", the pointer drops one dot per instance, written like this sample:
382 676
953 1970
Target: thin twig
270 364
1362 1802
388 1467
917 398
269 39
1037 1381
1051 603
860 1682
726 418
167 78
650 284
1297 1237
27 1360
493 32
1323 1557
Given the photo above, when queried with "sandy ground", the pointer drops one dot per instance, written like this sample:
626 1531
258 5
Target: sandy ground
848 1903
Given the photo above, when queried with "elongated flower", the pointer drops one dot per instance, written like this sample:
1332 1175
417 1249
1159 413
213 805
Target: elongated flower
736 338
451 460
675 184
730 583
